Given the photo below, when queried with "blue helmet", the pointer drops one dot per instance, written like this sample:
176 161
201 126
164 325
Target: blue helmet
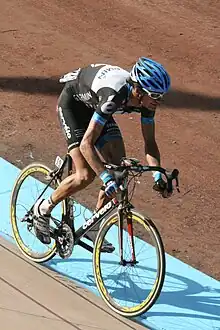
150 75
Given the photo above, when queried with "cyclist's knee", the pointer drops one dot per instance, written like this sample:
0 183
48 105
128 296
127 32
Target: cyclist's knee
85 177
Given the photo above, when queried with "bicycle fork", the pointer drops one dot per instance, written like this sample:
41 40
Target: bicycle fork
126 215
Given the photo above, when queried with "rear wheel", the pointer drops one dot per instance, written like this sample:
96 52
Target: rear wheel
130 289
29 185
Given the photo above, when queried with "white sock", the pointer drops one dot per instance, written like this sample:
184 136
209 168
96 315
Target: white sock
46 207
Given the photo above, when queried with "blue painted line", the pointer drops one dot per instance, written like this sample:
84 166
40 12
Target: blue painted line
189 300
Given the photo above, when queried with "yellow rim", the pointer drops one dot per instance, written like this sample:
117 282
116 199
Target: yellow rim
17 237
98 276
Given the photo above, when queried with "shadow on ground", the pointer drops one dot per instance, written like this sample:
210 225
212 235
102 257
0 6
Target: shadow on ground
182 298
51 86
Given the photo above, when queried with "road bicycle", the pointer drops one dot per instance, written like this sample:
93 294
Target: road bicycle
129 279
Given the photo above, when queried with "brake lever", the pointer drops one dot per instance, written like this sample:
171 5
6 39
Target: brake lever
169 185
170 178
177 185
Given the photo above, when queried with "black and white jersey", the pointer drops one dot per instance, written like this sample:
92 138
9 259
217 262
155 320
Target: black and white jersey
104 89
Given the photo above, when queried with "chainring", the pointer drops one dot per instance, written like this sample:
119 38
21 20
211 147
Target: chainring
65 241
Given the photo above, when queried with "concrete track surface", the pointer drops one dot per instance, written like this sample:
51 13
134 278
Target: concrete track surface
30 299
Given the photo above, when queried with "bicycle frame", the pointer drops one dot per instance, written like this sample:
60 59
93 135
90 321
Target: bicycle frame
96 218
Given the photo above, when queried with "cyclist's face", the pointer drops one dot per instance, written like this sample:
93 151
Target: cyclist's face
143 99
148 102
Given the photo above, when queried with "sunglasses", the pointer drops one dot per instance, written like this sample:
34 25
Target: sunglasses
153 95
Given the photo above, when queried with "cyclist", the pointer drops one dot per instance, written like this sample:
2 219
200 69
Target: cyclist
90 97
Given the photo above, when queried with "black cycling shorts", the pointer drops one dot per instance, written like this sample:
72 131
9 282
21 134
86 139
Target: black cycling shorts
74 118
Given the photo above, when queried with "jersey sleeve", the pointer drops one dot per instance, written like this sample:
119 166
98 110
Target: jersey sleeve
147 116
109 102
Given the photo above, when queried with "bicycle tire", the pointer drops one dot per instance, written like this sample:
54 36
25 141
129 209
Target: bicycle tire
29 170
100 282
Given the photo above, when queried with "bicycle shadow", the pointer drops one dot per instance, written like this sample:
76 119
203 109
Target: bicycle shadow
181 297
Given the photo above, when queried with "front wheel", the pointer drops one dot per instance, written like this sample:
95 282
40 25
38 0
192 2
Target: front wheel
130 289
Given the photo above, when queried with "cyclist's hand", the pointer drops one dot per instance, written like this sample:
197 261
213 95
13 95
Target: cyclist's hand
111 189
161 187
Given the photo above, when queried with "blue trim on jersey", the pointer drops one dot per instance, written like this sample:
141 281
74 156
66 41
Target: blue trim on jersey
99 119
146 120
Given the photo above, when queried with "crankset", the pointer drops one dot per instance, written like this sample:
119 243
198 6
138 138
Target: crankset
65 241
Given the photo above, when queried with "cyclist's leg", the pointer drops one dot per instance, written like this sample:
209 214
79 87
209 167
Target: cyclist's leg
74 125
75 182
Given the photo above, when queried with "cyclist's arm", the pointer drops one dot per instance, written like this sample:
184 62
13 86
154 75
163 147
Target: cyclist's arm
104 111
148 130
87 145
